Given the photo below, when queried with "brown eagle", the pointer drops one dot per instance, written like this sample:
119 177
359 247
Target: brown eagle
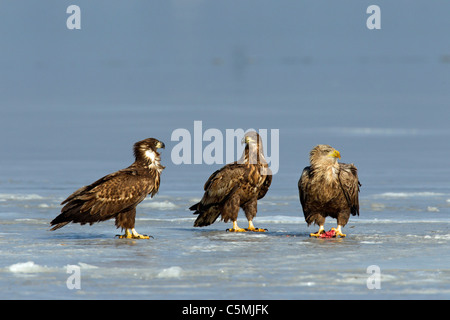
236 185
117 194
328 189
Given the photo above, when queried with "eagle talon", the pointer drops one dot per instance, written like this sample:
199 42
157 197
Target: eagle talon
141 236
251 227
317 234
236 230
256 229
133 235
338 232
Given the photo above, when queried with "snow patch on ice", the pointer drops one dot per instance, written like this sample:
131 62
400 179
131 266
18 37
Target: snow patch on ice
87 266
27 267
159 205
172 272
30 267
402 195
19 197
438 237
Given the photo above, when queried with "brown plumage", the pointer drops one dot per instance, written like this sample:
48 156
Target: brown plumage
328 189
117 194
237 185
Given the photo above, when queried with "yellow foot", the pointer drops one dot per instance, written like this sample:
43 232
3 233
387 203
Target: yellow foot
318 233
132 235
256 229
338 232
251 227
236 228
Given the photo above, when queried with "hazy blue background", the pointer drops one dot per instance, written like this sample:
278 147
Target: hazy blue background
137 52
144 68
72 103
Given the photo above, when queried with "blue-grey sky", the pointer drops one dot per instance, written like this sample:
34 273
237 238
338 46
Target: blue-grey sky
143 68
136 51
72 102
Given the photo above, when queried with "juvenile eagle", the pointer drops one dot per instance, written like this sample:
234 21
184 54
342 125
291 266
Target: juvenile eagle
328 189
117 194
236 185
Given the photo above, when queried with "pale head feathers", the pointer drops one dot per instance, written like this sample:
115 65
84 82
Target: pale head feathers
324 154
150 154
146 151
253 152
145 148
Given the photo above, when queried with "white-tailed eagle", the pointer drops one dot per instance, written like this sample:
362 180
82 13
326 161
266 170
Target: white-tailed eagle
236 185
117 194
328 189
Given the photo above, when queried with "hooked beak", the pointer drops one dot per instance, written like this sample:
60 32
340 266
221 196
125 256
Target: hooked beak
160 145
245 140
335 154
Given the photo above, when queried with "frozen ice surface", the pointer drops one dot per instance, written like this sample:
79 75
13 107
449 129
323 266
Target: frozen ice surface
181 262
403 228
72 103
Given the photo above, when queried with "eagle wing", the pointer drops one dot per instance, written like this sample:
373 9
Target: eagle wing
302 186
117 192
222 184
266 184
348 179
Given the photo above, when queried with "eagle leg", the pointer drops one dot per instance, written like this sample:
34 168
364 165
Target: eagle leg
318 233
338 231
132 235
236 228
251 227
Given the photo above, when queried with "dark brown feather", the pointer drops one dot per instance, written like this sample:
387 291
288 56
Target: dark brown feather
115 195
324 194
236 185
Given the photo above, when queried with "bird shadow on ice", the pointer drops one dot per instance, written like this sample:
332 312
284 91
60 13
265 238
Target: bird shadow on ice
80 236
282 234
224 234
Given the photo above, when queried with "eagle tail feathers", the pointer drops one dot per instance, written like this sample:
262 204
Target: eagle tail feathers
207 217
195 208
59 225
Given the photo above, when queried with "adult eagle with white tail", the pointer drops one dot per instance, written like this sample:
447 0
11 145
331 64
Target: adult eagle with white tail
328 189
236 185
117 194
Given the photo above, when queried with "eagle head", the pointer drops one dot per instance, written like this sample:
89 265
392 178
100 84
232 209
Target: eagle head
147 149
253 152
251 137
324 153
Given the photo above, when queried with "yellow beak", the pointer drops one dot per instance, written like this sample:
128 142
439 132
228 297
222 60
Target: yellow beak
246 140
335 154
